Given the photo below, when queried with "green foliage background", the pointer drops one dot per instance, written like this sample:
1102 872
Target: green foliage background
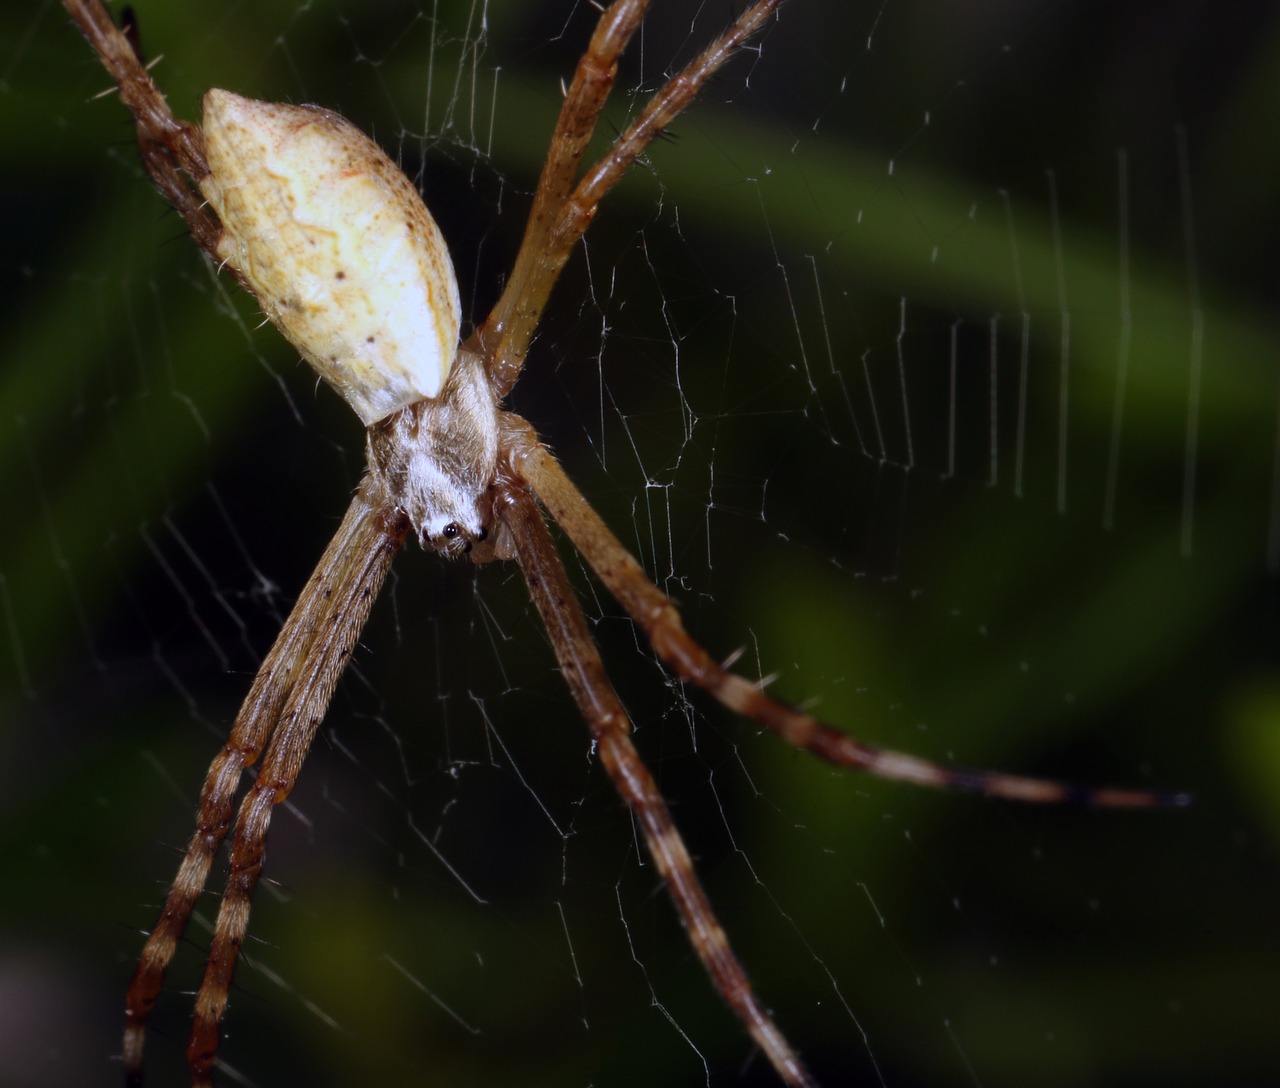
170 473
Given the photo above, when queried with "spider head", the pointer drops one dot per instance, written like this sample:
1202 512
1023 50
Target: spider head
452 538
437 457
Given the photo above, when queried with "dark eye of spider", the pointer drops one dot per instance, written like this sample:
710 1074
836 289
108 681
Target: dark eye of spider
450 531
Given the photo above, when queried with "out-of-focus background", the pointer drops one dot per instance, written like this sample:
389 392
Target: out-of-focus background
931 360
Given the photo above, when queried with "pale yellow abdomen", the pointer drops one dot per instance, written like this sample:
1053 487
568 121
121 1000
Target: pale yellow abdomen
338 246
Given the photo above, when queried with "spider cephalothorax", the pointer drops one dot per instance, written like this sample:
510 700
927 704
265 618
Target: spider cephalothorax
436 458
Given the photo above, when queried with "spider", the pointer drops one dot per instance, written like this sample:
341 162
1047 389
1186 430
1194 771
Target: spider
332 239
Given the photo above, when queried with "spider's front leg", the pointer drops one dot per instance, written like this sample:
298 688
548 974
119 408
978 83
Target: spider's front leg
518 513
331 612
284 705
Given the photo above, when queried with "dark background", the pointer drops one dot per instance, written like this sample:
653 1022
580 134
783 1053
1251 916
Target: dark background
170 473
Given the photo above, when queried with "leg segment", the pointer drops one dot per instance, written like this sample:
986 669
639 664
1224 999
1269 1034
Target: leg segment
610 728
172 150
658 617
559 217
329 613
509 327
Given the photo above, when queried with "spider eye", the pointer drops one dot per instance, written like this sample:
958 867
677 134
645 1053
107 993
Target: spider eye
450 531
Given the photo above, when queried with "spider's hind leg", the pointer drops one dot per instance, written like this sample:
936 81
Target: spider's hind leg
172 150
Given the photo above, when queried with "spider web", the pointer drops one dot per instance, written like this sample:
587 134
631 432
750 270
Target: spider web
930 361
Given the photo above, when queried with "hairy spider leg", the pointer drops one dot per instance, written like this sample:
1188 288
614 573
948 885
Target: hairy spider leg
659 618
610 728
554 230
285 703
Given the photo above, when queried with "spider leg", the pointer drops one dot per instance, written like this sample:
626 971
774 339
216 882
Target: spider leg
559 217
172 150
508 328
326 620
338 598
659 618
610 728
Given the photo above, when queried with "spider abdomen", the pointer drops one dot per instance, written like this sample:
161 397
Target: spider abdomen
336 243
